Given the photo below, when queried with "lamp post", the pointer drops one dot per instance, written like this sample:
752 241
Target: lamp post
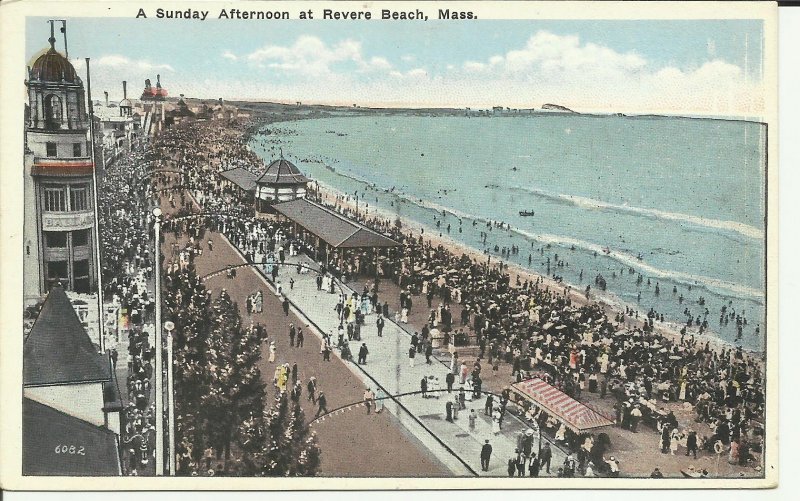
170 327
159 382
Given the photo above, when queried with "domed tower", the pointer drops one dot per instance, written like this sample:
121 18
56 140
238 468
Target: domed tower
60 229
281 182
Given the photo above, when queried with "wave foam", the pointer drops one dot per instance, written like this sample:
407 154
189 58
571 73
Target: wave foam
591 203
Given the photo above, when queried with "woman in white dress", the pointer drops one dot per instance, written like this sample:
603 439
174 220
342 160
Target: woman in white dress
561 433
272 351
404 316
673 441
496 421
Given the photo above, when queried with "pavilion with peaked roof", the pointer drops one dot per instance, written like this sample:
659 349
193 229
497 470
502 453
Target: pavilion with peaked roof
281 182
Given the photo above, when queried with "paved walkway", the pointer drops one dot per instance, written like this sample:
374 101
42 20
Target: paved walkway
388 365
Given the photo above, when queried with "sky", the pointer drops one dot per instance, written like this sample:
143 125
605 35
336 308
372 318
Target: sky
696 67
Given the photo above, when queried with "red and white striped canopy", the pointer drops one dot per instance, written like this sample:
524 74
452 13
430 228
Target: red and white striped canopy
575 415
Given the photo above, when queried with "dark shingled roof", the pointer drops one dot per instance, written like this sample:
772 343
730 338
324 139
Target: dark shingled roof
55 443
57 350
282 171
335 229
53 67
241 177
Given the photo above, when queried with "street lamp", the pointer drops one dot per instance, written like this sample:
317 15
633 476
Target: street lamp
169 326
159 382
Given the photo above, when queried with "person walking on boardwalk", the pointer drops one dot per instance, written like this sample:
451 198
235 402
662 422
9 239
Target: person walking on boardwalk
486 455
299 343
326 352
272 351
533 465
423 387
472 418
487 409
411 354
312 388
522 461
428 352
380 323
450 379
369 399
545 457
291 335
379 397
286 306
322 403
362 354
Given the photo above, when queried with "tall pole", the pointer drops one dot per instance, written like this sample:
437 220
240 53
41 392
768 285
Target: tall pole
170 327
96 199
159 382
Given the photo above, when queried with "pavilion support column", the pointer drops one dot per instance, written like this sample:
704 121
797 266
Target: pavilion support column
377 270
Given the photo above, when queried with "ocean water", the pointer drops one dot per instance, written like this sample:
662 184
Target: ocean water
679 201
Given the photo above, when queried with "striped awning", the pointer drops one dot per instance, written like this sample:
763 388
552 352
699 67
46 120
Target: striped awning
576 416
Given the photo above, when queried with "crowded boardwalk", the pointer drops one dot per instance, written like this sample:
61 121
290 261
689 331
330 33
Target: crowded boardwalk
327 327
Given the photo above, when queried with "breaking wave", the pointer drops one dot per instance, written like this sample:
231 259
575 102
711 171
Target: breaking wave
633 262
590 203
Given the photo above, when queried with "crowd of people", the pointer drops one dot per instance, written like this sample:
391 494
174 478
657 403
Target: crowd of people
125 193
533 326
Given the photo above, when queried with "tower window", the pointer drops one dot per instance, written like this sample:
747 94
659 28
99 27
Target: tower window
78 199
76 149
51 149
55 199
52 112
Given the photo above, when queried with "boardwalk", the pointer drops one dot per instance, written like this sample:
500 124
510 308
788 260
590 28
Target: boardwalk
358 445
388 366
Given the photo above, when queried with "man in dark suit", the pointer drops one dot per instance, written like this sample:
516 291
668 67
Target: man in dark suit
322 402
380 323
450 379
545 457
486 454
362 354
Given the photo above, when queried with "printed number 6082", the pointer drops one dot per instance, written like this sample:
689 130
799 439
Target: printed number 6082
70 449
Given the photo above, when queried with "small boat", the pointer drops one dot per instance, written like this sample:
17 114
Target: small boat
526 213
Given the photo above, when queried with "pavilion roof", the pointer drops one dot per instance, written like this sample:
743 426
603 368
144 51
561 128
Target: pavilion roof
575 415
241 177
333 228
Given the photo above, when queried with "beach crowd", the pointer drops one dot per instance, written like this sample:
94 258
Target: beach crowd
537 327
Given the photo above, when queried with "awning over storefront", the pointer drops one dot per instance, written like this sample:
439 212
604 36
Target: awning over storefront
334 229
576 416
